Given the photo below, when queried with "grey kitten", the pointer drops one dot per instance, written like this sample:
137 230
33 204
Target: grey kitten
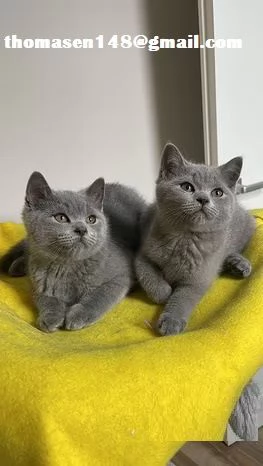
123 208
78 272
195 230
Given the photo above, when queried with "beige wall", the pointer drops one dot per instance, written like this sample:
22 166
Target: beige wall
78 114
239 96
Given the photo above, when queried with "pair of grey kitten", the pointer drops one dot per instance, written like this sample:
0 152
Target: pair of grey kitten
85 250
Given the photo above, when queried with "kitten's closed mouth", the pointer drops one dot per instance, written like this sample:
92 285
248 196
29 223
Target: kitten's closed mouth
202 215
79 241
206 212
83 240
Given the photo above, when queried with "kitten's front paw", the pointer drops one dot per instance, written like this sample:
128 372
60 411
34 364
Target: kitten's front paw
50 322
76 318
237 265
242 268
169 325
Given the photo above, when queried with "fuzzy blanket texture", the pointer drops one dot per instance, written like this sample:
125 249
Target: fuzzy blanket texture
116 393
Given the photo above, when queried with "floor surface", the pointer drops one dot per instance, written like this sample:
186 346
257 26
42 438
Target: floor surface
219 454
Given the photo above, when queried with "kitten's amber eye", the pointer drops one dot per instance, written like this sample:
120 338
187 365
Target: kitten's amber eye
91 219
61 218
188 187
218 192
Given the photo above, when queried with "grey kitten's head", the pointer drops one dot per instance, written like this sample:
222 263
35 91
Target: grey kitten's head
194 195
65 224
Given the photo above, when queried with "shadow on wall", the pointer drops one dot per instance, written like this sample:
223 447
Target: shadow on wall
177 76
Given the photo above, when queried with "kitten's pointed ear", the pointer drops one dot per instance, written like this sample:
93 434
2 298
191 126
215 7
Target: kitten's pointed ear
37 190
96 192
172 161
231 171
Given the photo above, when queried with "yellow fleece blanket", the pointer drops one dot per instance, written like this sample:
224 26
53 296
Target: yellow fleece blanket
115 393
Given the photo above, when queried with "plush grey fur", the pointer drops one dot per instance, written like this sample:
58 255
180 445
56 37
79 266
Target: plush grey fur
191 235
77 268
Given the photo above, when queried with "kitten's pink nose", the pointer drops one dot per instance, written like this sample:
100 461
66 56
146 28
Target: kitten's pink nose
202 200
80 229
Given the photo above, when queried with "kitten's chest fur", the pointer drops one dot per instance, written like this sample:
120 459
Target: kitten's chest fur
67 282
183 256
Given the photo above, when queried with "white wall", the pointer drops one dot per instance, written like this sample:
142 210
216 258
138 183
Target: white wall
239 89
74 114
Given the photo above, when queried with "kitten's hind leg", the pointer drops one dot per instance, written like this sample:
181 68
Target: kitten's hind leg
14 262
237 265
18 267
152 281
